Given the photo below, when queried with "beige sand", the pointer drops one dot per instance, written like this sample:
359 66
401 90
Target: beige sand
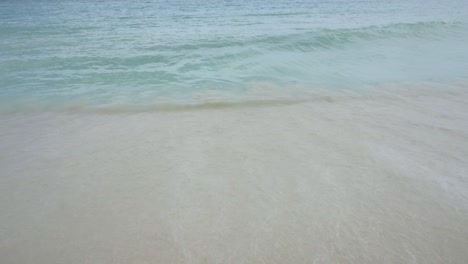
376 178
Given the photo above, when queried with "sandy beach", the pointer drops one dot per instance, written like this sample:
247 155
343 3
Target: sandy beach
376 178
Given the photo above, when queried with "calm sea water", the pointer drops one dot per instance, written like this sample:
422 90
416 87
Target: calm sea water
137 52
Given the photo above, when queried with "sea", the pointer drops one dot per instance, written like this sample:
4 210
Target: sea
233 131
56 54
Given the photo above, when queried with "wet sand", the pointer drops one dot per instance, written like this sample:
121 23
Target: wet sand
380 178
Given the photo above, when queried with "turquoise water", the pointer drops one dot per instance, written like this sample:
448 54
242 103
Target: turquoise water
139 52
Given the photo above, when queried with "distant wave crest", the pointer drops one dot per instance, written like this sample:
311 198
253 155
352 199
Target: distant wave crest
330 38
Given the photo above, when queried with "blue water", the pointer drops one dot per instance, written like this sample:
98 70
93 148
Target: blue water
139 52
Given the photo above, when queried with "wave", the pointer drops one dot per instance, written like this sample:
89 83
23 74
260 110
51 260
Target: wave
239 47
276 14
330 38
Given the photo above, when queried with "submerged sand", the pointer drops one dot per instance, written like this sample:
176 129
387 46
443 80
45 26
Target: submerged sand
375 178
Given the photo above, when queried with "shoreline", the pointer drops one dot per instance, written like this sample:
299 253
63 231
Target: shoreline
260 95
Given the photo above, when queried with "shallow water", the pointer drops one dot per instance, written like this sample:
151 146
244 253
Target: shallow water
233 131
115 52
379 177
